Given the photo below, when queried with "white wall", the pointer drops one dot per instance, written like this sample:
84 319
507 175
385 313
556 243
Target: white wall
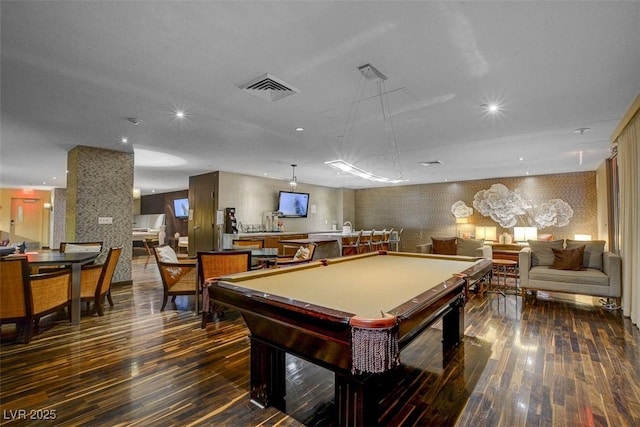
253 196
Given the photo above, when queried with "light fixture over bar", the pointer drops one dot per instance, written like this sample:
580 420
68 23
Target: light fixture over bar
343 166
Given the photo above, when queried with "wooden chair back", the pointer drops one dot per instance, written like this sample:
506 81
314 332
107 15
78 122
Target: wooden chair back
95 280
219 263
288 261
351 244
15 301
248 243
25 298
63 245
108 271
178 278
376 239
386 238
50 292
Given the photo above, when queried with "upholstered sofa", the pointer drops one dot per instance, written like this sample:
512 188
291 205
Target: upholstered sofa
456 246
544 266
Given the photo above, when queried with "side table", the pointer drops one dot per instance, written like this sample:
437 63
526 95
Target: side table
504 266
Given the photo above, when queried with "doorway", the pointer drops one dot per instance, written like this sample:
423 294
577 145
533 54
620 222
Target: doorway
27 219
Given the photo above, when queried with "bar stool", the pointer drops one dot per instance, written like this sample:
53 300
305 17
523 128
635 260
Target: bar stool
365 242
351 244
376 240
386 239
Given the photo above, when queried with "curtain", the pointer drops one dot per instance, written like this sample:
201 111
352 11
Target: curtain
629 176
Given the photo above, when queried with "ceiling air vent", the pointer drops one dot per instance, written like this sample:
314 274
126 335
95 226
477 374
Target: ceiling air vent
268 87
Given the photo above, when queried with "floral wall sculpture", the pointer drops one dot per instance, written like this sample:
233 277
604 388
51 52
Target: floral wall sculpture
460 210
510 208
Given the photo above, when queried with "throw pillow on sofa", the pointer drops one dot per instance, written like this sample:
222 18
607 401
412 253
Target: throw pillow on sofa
568 259
469 247
444 246
541 252
593 250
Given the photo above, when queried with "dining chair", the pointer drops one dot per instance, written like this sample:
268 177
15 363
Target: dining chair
15 301
95 281
25 298
303 255
81 246
49 293
178 276
215 264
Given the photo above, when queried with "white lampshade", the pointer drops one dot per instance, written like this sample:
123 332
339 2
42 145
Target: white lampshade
582 237
522 234
486 233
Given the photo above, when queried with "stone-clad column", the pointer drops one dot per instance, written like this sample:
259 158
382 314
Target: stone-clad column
100 185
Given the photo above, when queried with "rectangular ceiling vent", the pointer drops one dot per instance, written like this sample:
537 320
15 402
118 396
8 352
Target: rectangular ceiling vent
268 87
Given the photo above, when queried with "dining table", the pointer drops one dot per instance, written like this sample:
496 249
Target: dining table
65 259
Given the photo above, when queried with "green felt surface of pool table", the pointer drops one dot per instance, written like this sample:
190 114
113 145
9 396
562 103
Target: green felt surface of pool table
364 286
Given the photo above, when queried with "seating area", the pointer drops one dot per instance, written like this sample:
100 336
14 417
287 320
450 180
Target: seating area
456 246
32 288
571 266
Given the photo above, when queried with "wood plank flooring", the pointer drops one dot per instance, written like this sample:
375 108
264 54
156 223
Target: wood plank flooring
554 362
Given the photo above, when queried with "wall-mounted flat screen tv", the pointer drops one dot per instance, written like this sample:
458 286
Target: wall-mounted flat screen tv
181 208
293 205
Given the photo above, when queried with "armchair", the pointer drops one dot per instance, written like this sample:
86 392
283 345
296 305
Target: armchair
304 254
178 276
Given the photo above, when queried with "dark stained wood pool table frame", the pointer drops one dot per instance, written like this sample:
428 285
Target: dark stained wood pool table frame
322 335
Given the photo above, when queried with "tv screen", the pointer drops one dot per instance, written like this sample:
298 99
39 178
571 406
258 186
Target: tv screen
293 205
181 208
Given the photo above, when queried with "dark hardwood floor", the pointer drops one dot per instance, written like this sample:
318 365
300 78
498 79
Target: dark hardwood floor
553 362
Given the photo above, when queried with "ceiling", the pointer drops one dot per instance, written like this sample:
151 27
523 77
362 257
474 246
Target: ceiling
73 72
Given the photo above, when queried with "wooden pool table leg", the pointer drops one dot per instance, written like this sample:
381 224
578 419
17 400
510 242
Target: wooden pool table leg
354 400
453 324
268 386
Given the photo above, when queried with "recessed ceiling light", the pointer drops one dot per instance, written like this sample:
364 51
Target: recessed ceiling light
124 139
491 107
521 159
180 114
134 120
299 129
581 131
431 163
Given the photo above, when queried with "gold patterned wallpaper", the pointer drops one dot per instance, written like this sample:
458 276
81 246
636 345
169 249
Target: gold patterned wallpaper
424 210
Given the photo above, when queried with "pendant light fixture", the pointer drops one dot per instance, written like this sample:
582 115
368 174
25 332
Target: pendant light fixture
293 184
372 74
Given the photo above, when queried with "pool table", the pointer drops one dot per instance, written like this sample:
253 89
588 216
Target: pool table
351 315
